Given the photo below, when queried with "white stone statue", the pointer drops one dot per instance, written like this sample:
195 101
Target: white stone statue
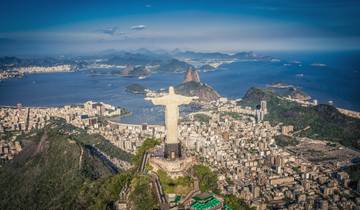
171 102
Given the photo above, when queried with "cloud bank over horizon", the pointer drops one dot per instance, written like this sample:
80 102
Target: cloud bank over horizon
81 27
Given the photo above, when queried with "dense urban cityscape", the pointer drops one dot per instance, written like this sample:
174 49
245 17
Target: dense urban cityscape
235 142
179 105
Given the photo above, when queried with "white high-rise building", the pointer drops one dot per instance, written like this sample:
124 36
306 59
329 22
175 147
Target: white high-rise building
263 106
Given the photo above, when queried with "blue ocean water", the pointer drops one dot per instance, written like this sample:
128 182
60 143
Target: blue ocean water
338 81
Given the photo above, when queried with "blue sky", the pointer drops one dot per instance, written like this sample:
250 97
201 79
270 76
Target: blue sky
36 27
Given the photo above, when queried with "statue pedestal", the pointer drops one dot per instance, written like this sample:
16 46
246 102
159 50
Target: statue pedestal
174 168
172 151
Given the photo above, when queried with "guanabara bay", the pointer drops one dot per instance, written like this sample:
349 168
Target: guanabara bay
179 105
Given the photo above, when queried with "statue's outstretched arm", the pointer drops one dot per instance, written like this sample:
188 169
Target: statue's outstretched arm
156 101
187 100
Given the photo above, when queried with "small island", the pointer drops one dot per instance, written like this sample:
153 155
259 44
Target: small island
290 91
207 67
136 89
135 71
280 85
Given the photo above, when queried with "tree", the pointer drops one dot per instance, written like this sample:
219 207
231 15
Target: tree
236 203
207 178
141 195
148 144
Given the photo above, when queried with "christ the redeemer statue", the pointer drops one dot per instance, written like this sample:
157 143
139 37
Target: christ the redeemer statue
171 102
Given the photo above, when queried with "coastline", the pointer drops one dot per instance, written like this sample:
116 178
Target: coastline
349 113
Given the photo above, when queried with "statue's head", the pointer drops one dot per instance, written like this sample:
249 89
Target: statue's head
171 90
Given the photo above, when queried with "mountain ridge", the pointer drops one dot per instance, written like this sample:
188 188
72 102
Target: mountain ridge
324 121
51 169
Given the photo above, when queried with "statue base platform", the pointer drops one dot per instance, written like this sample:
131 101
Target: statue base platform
174 168
172 151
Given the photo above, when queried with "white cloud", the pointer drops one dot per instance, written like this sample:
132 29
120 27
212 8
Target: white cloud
138 27
112 31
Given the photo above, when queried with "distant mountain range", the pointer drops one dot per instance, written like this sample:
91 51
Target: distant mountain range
214 55
135 59
8 63
174 61
174 65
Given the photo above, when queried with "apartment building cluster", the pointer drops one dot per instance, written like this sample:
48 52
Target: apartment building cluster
45 69
251 166
9 74
8 150
26 118
18 119
125 136
129 137
21 71
241 149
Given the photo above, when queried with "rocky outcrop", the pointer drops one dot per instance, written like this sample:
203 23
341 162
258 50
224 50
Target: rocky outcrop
131 71
127 70
192 88
173 66
135 89
191 75
300 95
